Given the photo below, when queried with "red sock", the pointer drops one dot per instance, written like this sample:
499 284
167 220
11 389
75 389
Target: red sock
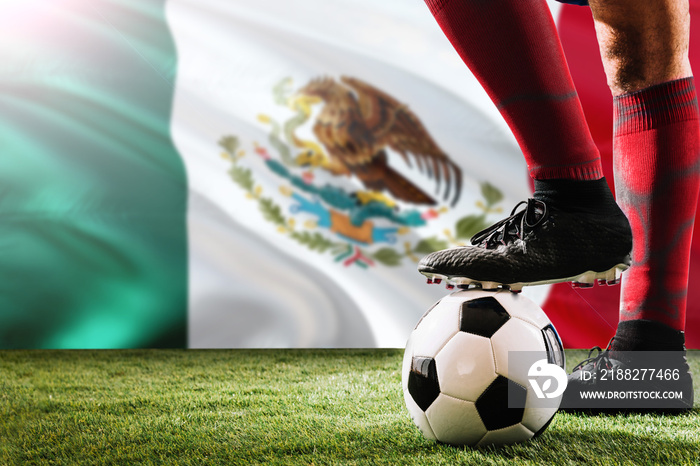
656 150
513 49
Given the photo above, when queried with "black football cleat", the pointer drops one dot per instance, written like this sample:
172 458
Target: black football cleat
539 244
630 382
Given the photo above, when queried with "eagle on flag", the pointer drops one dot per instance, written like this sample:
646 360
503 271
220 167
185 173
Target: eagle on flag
356 125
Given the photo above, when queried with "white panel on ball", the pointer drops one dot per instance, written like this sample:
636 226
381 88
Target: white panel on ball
516 335
465 366
418 416
522 307
513 434
436 328
407 359
474 293
455 421
538 411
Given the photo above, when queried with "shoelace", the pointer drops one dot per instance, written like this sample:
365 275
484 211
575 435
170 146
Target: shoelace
513 227
600 360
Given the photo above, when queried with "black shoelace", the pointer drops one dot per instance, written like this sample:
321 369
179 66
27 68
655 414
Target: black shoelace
513 227
600 361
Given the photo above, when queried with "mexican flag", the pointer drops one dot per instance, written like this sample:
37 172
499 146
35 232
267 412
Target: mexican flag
166 178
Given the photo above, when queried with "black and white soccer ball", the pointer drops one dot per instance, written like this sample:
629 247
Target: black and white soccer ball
457 381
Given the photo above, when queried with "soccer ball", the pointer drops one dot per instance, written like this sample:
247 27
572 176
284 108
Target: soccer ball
478 369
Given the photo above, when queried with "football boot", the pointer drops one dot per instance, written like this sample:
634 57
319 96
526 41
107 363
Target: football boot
539 243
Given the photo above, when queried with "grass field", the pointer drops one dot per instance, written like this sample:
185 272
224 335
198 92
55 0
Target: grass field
274 407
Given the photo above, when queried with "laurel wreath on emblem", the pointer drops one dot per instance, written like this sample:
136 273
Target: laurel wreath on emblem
360 227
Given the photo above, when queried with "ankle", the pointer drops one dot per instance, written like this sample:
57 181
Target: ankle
592 196
647 335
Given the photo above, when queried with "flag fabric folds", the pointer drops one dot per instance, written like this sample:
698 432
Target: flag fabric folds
176 173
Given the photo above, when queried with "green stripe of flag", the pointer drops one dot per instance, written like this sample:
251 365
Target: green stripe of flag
93 247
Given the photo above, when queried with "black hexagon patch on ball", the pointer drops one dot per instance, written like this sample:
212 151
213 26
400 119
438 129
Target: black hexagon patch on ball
423 382
493 403
482 316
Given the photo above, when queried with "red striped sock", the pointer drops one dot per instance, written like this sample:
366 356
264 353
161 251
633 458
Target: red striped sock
656 150
513 49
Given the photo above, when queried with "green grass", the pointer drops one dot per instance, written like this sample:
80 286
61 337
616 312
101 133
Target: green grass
273 407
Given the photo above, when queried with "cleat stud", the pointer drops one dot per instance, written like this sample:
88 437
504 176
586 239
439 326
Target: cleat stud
613 282
429 281
437 281
601 281
587 279
449 286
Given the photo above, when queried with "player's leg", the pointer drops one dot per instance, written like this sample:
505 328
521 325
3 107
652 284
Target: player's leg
656 150
513 49
642 43
573 225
